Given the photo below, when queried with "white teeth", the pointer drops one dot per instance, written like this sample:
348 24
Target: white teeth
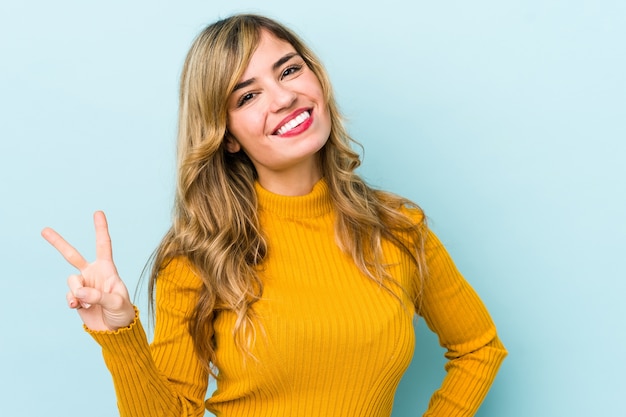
293 123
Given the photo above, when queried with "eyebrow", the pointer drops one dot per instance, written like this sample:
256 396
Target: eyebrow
276 65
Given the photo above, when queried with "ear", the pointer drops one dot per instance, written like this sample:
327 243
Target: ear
231 143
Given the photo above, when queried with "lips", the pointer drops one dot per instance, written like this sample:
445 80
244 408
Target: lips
300 118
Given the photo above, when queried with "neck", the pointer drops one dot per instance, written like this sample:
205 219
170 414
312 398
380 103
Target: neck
293 183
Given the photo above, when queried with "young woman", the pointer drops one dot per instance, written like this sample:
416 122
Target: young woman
283 275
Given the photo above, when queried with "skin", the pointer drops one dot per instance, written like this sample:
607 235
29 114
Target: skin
278 86
96 292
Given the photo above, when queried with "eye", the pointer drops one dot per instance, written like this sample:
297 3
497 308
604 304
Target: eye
290 71
245 98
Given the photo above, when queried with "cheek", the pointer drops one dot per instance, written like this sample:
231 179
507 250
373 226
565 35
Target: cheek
321 99
325 116
248 124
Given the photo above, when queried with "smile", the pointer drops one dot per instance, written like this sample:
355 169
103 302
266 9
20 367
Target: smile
293 123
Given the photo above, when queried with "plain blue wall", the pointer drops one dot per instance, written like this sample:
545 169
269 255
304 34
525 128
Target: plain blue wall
505 120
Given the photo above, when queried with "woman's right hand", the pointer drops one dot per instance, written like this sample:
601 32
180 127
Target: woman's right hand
96 292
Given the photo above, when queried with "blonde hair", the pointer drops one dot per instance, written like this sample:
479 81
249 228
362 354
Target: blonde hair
215 223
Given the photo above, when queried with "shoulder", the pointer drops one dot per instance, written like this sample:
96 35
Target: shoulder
179 272
413 212
394 203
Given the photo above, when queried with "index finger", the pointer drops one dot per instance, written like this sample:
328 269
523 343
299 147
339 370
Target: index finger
68 251
104 249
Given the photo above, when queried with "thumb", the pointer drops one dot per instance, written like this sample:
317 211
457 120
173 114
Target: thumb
91 296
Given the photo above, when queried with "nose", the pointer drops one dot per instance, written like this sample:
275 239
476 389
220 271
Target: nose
282 97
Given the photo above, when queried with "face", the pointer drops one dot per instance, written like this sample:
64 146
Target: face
277 114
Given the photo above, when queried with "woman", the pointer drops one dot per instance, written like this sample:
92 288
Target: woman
283 275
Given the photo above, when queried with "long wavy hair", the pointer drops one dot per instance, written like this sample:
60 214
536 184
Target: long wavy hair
216 225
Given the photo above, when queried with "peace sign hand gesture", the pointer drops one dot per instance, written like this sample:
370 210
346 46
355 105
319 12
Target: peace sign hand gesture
97 292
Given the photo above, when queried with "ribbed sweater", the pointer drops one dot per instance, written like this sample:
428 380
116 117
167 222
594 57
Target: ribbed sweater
330 342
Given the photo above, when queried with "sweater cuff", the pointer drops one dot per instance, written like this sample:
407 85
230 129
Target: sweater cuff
122 340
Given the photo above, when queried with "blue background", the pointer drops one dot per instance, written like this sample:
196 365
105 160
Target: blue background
505 120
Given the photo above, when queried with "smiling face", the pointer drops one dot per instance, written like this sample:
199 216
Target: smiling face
278 116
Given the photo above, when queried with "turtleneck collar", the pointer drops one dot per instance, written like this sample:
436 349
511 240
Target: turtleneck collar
314 204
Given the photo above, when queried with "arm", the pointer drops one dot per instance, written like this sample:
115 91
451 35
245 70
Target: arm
453 310
163 380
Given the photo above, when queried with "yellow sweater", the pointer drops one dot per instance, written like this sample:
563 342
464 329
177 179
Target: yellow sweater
330 341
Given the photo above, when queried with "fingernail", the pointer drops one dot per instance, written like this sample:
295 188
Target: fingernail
85 305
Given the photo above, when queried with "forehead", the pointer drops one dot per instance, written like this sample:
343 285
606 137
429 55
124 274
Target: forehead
268 51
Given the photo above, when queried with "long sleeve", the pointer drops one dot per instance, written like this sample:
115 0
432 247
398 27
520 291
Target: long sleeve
165 378
453 310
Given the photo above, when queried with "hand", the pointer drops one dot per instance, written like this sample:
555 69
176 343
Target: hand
97 292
